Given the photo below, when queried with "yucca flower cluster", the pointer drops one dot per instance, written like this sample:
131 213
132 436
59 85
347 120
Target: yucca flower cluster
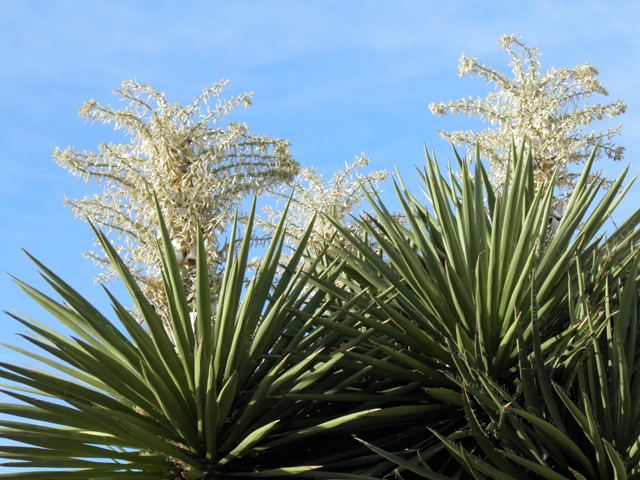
340 198
200 172
548 111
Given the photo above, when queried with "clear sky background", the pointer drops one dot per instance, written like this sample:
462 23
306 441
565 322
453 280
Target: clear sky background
335 78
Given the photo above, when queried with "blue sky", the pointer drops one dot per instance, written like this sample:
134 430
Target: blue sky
335 78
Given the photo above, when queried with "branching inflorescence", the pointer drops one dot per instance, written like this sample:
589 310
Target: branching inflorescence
548 111
200 172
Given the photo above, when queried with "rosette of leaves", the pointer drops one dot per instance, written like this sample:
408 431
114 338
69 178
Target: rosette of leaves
450 292
258 392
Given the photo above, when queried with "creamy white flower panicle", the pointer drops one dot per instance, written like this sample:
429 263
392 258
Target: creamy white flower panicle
199 171
548 110
339 198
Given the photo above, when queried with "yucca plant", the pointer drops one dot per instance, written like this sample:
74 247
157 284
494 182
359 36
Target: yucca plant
450 292
260 391
432 340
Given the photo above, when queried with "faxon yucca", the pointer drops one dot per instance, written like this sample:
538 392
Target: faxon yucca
465 340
